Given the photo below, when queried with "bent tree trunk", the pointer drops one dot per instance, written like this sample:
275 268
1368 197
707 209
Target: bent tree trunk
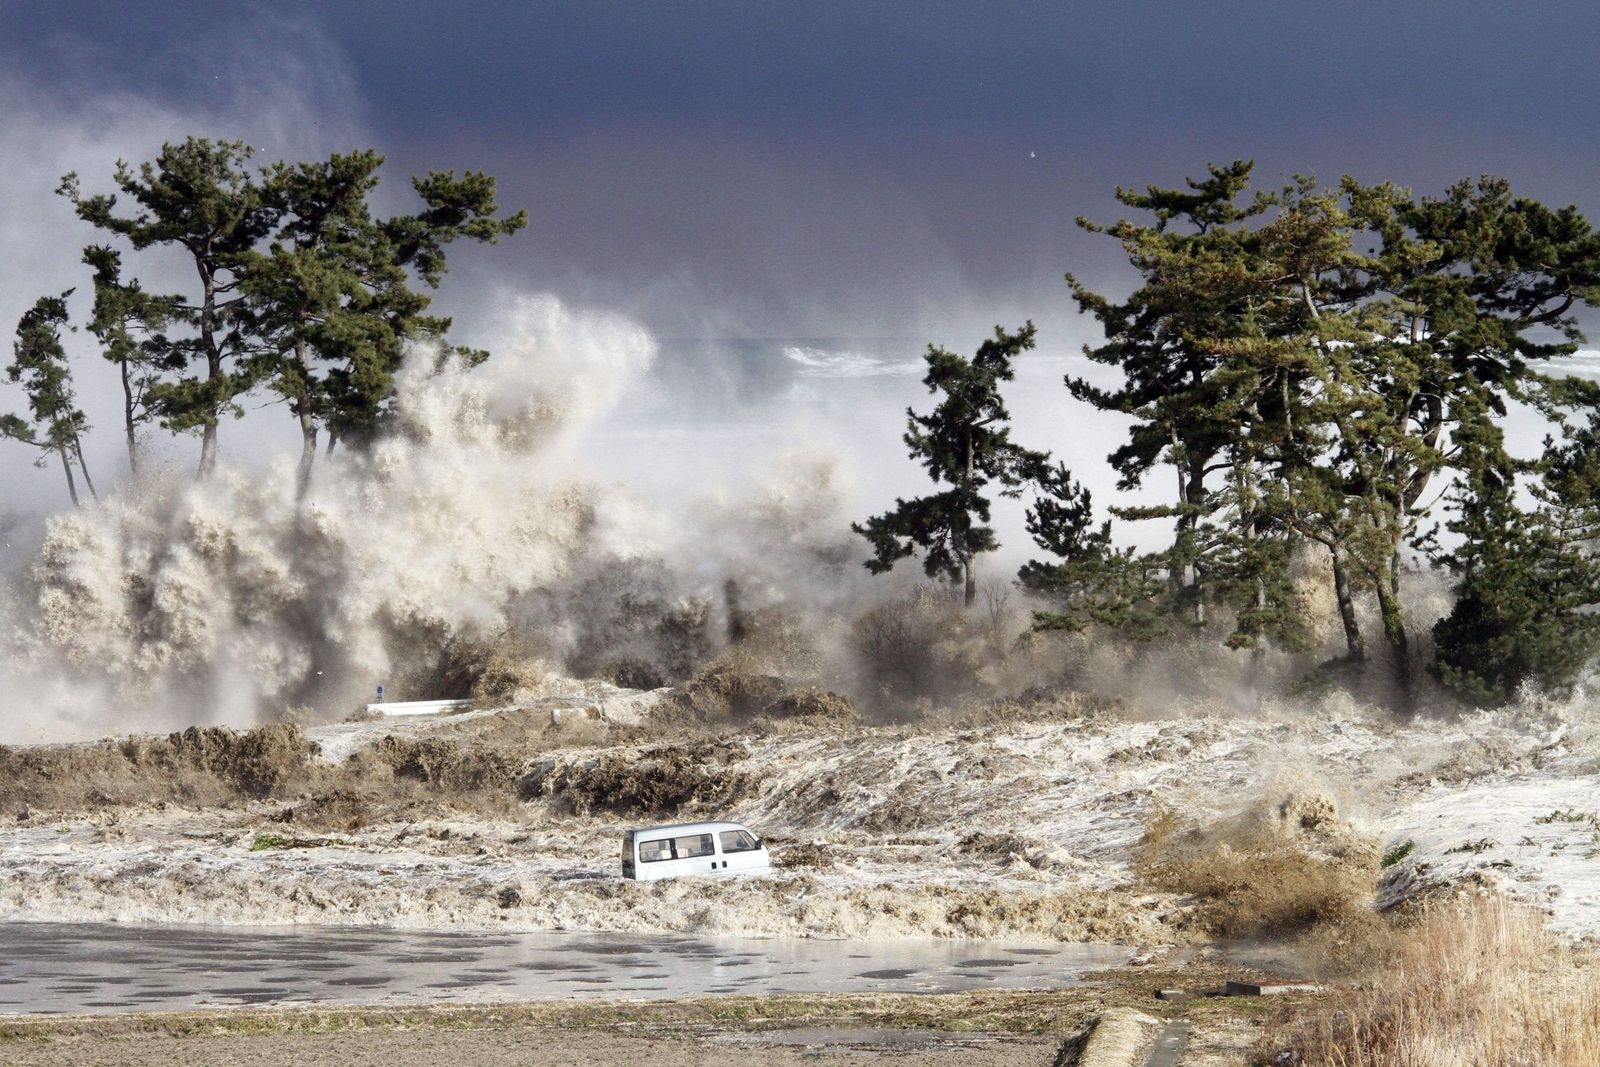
77 450
66 466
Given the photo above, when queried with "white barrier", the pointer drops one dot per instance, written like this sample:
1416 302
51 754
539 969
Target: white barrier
419 707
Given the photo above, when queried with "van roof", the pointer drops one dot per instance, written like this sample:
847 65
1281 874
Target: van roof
673 829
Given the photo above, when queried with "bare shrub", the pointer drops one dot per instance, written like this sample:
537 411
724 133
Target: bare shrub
726 690
492 671
1475 983
812 705
446 764
659 781
918 646
632 625
733 691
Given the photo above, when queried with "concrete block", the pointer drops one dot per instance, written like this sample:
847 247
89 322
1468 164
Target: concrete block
1270 989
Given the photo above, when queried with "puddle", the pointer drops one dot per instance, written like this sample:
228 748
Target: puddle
96 967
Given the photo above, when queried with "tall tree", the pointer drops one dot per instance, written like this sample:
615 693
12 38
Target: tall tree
131 326
330 300
202 198
1204 382
964 443
1437 327
1166 339
39 364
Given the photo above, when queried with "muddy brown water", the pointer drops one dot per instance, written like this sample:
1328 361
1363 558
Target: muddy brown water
105 967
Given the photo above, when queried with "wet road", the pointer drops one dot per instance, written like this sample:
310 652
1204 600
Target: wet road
103 967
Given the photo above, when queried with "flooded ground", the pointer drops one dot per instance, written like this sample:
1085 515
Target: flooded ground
101 967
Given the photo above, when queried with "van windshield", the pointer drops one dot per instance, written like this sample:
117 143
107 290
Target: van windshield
738 841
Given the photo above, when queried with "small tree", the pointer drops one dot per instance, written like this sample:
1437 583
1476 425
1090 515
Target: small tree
199 198
1083 578
964 443
1528 581
55 424
131 326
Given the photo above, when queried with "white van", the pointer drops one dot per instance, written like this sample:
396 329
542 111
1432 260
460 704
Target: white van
655 852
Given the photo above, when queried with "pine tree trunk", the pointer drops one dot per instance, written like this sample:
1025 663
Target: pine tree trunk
208 314
77 449
969 577
1196 490
1184 575
1355 645
1394 632
308 453
128 421
208 451
66 465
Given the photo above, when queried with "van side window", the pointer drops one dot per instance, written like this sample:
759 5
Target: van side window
694 845
652 851
738 841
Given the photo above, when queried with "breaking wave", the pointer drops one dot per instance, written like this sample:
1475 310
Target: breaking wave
824 363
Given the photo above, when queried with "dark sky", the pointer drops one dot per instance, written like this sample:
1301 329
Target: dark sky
822 169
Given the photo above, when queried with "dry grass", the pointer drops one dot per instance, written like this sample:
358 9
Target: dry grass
1284 871
1476 983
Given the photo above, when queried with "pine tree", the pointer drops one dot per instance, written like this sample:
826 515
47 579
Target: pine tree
131 326
200 198
39 364
1087 580
1207 383
1528 581
330 302
964 443
1168 340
